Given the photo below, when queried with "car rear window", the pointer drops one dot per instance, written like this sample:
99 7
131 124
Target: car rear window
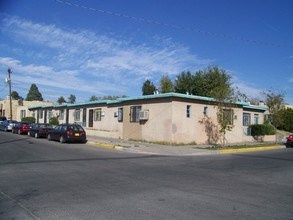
75 128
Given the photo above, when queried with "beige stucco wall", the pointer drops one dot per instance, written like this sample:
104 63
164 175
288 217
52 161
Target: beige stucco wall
167 121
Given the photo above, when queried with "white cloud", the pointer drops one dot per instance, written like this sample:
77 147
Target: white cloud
83 61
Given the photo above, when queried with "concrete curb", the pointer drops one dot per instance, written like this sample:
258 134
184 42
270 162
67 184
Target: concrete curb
207 152
249 149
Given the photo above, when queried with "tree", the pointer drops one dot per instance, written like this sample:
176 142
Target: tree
213 82
71 99
184 83
275 102
148 88
166 84
16 96
287 119
93 98
61 100
34 94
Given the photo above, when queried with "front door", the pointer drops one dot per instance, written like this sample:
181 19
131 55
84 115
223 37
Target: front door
84 117
91 118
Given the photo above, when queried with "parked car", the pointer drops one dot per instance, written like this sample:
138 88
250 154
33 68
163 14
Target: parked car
67 133
289 142
2 118
39 130
21 127
7 125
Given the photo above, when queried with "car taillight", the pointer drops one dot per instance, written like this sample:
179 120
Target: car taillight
69 133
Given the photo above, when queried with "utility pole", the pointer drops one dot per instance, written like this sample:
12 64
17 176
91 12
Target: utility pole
10 98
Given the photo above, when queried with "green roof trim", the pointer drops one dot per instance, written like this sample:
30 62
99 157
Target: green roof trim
145 97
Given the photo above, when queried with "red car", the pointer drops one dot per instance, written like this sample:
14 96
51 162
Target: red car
289 142
21 127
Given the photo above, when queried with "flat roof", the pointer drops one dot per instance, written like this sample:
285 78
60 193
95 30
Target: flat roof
145 97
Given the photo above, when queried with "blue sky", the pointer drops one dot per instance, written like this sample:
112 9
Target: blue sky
111 47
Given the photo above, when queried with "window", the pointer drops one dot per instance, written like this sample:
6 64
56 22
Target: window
256 117
134 113
120 114
61 114
228 116
50 114
188 111
34 114
98 114
22 114
205 111
77 115
246 119
40 113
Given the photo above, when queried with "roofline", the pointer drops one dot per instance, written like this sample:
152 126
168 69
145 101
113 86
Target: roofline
145 97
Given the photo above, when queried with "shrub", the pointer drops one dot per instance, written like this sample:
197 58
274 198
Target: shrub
261 130
54 121
29 119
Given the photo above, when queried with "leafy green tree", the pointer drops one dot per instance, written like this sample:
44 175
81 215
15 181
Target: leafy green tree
93 98
275 102
71 99
287 119
184 83
213 82
61 100
34 94
166 84
148 88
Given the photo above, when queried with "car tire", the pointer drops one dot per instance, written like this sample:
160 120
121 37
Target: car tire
49 137
62 140
37 135
28 133
5 129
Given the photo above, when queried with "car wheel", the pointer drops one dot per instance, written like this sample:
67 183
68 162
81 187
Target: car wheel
5 129
49 137
28 133
62 140
36 135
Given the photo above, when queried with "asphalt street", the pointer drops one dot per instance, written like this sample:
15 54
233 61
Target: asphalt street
49 180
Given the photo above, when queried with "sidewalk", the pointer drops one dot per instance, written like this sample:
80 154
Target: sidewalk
157 149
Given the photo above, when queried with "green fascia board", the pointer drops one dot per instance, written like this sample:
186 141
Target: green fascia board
145 97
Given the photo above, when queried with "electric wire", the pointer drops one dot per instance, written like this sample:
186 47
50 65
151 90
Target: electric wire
150 21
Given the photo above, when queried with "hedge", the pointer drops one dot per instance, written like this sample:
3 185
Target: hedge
29 119
261 130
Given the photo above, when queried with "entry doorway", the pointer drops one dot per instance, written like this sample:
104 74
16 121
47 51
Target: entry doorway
91 118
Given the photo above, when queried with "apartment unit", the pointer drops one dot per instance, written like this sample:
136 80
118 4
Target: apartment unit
169 117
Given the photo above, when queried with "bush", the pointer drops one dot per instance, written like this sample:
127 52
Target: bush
261 130
54 121
29 119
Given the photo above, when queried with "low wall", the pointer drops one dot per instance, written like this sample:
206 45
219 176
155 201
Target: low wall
106 134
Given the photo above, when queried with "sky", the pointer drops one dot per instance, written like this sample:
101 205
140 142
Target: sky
111 47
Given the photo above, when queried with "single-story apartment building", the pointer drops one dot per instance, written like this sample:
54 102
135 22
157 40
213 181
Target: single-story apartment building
170 117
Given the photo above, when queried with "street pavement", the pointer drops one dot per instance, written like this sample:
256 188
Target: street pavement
159 149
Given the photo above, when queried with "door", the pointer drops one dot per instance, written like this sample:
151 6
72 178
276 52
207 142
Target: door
91 118
84 117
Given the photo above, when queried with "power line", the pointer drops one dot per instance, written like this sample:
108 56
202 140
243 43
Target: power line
213 34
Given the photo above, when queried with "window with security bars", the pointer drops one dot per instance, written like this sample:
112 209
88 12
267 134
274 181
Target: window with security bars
98 114
77 115
134 113
246 119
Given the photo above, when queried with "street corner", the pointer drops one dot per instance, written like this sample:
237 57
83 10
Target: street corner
250 149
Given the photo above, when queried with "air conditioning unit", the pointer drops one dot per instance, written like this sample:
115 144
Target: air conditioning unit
144 115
